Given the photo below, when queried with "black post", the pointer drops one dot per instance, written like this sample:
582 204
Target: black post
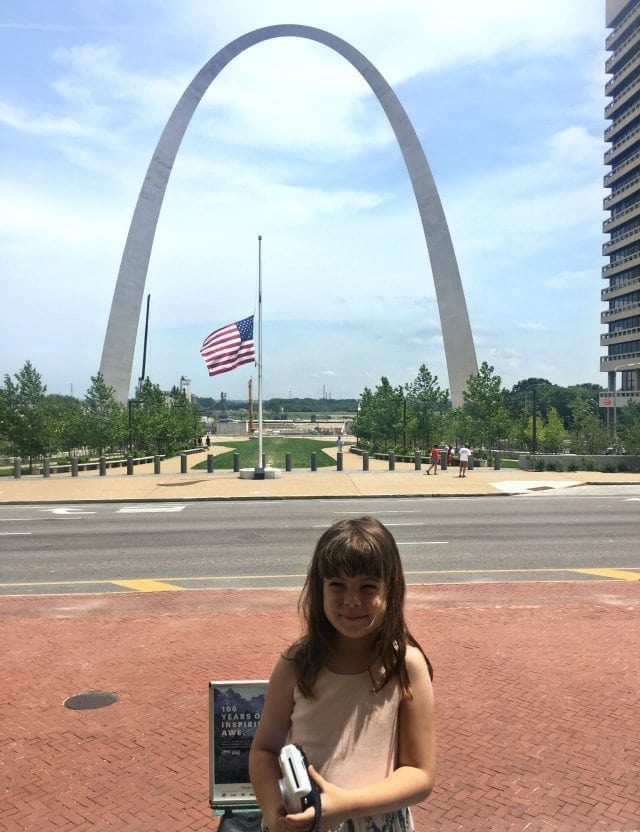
339 461
209 463
129 404
418 460
236 462
404 424
392 461
365 461
17 467
314 461
287 462
156 463
183 463
129 466
102 462
46 467
74 466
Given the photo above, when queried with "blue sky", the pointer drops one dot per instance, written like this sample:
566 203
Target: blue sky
507 99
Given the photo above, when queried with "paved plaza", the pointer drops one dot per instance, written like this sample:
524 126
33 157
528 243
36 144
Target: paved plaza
536 683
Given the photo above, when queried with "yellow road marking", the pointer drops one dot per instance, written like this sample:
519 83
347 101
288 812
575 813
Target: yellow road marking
618 574
153 585
148 586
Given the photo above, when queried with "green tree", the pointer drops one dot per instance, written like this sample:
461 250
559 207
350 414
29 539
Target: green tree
588 434
629 427
485 416
104 417
379 421
363 423
67 414
25 418
162 424
425 405
387 418
553 433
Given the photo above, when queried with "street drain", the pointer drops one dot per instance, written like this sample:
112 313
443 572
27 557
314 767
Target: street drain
91 699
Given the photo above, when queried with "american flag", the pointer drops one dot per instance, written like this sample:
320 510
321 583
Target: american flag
229 347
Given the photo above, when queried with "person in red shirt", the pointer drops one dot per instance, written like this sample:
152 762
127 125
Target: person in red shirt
434 457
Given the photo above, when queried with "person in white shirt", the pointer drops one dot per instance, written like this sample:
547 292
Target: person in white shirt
464 454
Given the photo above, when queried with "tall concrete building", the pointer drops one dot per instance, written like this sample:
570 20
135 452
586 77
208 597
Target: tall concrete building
621 293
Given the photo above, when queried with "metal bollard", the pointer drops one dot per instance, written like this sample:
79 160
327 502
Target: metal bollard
17 467
129 465
103 466
183 463
314 461
209 463
470 463
264 461
74 466
392 461
287 462
417 460
339 461
46 467
443 461
365 461
497 461
157 459
236 462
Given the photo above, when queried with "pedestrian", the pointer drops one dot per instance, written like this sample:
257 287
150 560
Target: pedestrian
339 443
464 454
208 441
449 454
434 458
354 691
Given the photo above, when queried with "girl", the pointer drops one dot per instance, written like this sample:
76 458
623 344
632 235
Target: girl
355 692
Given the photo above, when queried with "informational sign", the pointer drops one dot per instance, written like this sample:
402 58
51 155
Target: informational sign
235 708
606 400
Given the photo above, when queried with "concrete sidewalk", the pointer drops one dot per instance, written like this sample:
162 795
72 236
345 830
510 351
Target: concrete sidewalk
536 687
300 483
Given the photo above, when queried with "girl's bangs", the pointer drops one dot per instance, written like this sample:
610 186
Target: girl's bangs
352 558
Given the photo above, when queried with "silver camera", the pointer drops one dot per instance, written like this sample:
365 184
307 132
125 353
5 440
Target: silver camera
297 790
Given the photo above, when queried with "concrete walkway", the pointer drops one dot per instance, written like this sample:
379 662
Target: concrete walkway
171 485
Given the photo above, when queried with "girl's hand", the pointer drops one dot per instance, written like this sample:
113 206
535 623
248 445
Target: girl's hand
334 802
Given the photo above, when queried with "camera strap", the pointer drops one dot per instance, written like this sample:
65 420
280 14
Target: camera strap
316 801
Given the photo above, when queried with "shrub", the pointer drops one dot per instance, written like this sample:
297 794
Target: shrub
572 466
538 464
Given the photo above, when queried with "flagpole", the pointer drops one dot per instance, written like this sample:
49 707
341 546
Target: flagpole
259 465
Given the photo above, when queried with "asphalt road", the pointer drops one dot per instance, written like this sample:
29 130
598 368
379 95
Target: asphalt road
115 547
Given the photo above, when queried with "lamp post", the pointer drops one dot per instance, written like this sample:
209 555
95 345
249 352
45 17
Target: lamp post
129 403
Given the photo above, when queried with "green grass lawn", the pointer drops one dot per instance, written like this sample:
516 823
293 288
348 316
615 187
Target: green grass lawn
274 449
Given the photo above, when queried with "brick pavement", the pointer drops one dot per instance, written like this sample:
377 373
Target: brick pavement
536 684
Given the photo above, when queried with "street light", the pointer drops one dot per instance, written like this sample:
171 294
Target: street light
130 402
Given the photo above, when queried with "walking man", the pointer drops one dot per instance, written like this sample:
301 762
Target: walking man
465 453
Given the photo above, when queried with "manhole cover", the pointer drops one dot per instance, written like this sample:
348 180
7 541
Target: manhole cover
91 699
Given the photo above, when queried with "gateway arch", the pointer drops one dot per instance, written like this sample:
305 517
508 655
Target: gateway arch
120 339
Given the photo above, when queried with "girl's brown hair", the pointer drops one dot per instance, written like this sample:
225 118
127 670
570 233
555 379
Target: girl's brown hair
358 546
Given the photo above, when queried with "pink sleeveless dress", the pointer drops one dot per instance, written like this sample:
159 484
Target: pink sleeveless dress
350 735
